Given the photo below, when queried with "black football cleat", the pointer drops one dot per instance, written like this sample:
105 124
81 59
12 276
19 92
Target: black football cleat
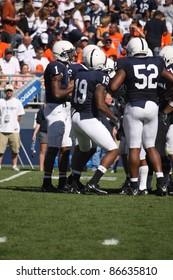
124 188
170 189
133 191
94 189
48 188
74 188
143 192
161 190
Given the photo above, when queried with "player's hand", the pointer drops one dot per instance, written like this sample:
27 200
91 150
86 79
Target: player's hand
164 118
116 123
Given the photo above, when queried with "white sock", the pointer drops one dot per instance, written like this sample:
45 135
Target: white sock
159 174
102 169
143 173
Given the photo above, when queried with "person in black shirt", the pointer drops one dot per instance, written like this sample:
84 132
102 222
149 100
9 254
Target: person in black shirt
154 29
41 126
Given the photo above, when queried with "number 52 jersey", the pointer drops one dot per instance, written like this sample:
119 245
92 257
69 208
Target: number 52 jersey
142 77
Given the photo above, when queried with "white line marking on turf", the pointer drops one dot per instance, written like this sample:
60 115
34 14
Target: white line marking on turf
110 242
14 176
89 177
3 239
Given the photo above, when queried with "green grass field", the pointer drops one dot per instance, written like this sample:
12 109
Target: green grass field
45 226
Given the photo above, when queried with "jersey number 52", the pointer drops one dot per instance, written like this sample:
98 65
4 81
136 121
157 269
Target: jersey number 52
146 80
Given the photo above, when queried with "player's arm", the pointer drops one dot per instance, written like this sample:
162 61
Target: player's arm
100 102
117 80
167 75
57 91
168 109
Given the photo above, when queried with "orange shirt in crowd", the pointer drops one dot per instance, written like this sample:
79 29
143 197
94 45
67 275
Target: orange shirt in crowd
8 10
79 55
3 47
117 39
102 29
166 40
48 54
110 52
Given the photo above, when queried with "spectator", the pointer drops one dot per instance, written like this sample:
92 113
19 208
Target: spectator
3 81
53 14
21 26
9 63
143 5
167 39
37 5
25 51
136 29
96 13
107 46
167 10
106 36
41 126
44 38
64 6
11 114
58 36
39 63
115 9
154 29
125 21
90 29
3 45
104 27
76 24
82 44
116 37
51 34
9 20
30 16
23 76
145 18
40 26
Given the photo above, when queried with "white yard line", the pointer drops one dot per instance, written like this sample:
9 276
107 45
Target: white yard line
89 177
14 176
109 242
3 239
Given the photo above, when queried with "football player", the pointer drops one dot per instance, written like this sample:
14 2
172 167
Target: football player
163 139
141 74
87 100
72 185
58 115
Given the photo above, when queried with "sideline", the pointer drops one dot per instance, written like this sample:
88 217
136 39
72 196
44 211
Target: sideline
14 176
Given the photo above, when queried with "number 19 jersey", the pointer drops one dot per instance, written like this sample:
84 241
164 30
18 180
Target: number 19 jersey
83 99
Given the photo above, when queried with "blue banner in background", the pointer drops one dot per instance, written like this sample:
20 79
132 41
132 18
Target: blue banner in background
28 91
